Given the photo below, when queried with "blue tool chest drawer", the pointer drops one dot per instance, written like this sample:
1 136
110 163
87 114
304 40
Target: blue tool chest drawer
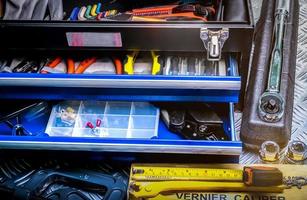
209 88
34 137
94 53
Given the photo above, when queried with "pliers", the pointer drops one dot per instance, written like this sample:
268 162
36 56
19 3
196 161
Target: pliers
131 59
50 67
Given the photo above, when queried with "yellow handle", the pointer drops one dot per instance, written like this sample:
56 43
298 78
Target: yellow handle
93 11
129 65
156 66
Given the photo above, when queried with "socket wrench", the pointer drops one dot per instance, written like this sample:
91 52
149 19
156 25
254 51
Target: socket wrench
271 103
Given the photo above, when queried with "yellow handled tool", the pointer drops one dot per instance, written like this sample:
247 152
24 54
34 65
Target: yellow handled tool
93 10
131 59
129 63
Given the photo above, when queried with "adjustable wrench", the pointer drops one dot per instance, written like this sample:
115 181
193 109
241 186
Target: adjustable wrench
271 103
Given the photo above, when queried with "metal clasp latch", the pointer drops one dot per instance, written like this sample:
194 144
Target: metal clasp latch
214 42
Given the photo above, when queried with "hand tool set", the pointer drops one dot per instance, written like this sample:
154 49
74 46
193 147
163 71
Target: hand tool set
111 10
121 120
135 63
139 80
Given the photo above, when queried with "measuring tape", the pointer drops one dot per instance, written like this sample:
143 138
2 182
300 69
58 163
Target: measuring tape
141 173
148 181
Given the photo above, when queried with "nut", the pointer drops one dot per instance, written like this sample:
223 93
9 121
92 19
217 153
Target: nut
269 151
297 151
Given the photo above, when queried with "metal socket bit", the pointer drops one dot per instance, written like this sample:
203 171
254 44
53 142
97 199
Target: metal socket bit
269 152
297 151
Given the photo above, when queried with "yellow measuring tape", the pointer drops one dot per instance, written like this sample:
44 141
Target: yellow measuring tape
185 174
149 181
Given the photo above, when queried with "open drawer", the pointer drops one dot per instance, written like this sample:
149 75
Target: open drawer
120 33
219 81
222 31
134 141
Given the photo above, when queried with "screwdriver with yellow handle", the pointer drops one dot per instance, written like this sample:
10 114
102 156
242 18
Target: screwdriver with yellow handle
149 182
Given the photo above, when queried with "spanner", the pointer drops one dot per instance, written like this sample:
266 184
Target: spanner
271 103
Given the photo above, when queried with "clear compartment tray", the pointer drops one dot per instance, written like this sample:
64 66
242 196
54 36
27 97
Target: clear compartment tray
104 119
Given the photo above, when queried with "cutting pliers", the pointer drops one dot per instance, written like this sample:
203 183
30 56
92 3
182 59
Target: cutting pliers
131 59
71 69
50 67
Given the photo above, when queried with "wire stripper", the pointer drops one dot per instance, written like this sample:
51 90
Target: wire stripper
131 60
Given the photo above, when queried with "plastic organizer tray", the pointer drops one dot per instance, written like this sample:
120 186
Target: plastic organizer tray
103 119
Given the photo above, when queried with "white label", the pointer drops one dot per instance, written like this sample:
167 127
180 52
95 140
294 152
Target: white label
90 39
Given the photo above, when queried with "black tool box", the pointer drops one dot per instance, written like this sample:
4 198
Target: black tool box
229 36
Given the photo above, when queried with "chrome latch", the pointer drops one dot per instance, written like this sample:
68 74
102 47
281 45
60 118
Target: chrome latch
214 42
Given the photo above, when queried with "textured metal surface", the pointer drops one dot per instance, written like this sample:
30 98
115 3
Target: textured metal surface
21 171
299 124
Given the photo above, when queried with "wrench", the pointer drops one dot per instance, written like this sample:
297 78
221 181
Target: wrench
271 103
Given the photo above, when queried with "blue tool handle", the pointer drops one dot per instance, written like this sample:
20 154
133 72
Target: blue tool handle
74 14
98 8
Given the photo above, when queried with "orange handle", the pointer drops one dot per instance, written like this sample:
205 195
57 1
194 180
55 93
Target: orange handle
189 15
84 65
52 64
70 66
55 62
118 66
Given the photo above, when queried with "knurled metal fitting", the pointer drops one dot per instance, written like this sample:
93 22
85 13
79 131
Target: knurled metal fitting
297 151
269 152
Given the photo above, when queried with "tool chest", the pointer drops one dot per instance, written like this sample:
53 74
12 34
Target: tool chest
217 79
87 120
